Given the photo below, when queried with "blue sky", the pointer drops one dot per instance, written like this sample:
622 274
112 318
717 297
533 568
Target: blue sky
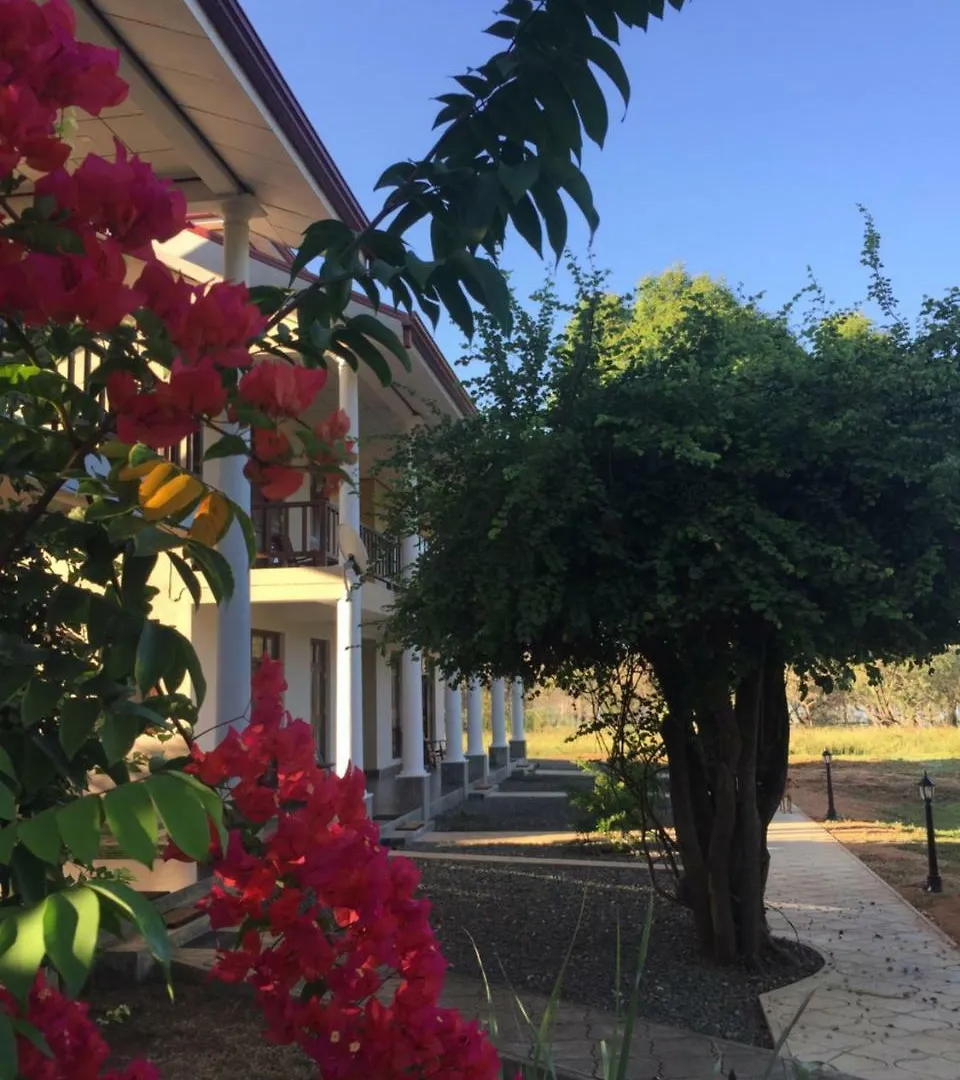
755 128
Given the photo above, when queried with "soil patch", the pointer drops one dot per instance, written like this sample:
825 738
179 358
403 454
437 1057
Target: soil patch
524 918
882 818
208 1032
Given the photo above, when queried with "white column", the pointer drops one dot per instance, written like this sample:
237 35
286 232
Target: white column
516 711
411 683
348 735
453 722
233 615
498 719
475 719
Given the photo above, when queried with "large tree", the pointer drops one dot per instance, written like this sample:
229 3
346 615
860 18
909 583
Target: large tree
689 480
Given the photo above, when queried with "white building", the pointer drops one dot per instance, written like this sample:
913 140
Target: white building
209 110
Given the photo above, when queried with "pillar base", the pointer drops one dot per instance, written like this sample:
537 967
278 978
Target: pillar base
518 749
499 757
477 767
453 776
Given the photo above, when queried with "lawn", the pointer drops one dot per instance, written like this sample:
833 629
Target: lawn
876 743
554 741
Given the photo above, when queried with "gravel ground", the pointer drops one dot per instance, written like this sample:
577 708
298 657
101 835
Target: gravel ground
523 919
511 815
574 849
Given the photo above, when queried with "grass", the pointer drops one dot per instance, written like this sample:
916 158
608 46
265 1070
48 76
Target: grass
876 743
551 742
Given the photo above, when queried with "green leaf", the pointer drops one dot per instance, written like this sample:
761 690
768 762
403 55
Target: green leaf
318 238
119 733
6 765
142 913
517 179
39 701
132 820
452 298
71 922
33 1036
375 329
152 540
351 345
78 718
183 813
268 298
8 1049
21 949
8 803
40 835
606 58
80 822
151 658
12 680
503 28
489 288
187 576
8 841
227 446
527 222
215 568
574 183
591 104
554 215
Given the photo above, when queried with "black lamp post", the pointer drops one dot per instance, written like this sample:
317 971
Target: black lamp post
934 883
831 809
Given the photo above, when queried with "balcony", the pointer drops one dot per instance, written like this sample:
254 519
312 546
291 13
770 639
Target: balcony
304 533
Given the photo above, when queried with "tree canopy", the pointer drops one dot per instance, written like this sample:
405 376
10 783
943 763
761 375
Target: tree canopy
699 483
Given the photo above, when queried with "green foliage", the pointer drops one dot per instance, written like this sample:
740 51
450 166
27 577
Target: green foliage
709 472
85 668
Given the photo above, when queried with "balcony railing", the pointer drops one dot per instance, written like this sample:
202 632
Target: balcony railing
296 533
384 553
306 534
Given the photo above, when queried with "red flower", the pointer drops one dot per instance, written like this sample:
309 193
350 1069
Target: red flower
152 417
124 198
270 445
275 482
280 389
64 288
77 1050
334 429
220 324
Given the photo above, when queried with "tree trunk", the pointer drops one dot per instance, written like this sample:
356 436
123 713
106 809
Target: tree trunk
728 769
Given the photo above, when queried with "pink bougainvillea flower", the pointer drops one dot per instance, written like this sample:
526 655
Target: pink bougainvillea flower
280 389
124 198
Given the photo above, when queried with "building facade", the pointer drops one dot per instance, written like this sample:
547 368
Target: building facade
211 112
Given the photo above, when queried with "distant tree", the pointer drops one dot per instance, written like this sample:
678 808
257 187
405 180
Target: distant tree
696 483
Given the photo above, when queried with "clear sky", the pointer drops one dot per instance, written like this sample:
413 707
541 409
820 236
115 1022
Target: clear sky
755 128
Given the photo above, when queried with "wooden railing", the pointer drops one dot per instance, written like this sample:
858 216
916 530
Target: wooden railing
384 553
306 534
296 533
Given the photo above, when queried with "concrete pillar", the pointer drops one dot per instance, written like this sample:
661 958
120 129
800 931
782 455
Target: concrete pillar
233 615
348 712
518 736
476 755
499 750
411 683
454 772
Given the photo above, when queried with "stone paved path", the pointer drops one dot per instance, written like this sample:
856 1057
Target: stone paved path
887 1004
658 1052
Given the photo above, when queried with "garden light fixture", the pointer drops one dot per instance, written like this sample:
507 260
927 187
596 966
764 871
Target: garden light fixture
831 808
934 882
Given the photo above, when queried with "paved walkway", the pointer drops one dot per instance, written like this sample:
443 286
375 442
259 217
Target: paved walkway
887 1003
658 1052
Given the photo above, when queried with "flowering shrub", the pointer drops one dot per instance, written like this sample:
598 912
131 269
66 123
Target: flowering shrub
74 1050
332 938
86 668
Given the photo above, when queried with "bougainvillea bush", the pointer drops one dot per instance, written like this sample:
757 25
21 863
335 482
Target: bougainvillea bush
107 362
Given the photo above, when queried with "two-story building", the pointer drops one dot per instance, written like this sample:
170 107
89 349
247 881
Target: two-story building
209 110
